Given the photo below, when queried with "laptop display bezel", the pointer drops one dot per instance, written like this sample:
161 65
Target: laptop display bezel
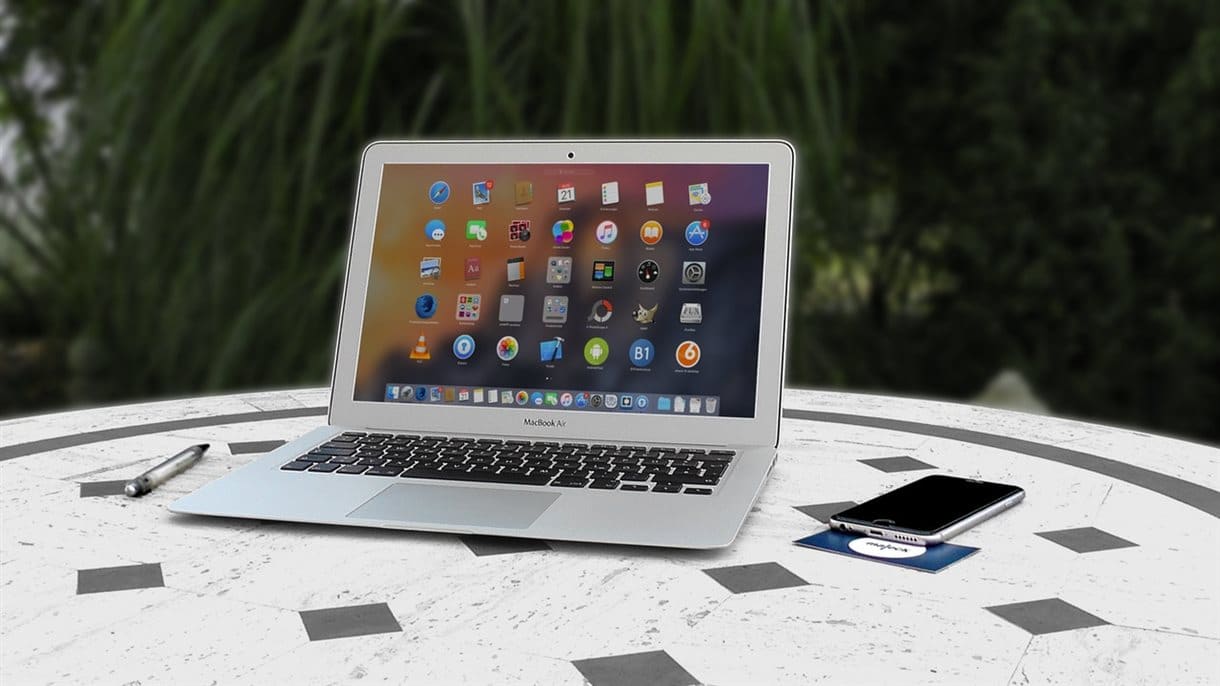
761 429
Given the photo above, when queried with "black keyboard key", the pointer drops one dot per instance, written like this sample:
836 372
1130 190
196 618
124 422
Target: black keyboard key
380 436
383 471
339 459
666 487
698 491
371 463
692 480
351 469
525 480
570 482
353 434
314 457
297 466
326 467
607 484
635 476
713 457
334 451
406 437
725 453
339 443
633 487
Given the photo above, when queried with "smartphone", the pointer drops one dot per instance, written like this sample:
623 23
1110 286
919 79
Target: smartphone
928 511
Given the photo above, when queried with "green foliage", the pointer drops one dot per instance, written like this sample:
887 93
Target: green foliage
1052 171
194 228
982 185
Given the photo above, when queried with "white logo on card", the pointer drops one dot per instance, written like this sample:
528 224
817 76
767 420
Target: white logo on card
888 549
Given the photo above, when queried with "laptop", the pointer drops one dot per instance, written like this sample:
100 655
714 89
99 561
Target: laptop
565 340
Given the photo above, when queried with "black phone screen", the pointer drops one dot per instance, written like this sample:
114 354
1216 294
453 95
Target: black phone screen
929 504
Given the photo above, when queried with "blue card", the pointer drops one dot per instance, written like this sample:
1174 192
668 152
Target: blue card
930 559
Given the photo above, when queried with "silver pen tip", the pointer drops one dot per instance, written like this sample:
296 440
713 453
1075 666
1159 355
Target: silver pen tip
131 490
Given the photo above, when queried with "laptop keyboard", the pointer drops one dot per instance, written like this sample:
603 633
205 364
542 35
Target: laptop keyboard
692 471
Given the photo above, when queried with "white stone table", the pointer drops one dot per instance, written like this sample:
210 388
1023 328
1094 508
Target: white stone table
1107 573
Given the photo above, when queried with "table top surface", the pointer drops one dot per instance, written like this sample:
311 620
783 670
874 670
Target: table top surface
1108 572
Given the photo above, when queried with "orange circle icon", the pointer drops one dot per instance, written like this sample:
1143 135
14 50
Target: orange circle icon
687 354
650 232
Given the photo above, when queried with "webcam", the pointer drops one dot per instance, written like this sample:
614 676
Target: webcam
571 155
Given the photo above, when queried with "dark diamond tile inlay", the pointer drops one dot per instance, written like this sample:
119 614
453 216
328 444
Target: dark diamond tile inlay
1047 616
901 463
655 668
500 545
253 447
824 511
93 489
763 576
124 578
1086 539
356 620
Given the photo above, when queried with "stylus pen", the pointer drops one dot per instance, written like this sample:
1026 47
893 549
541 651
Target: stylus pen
165 471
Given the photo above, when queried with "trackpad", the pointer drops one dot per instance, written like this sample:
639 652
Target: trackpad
454 505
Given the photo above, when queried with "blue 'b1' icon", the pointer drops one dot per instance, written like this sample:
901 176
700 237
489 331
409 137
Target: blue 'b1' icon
641 352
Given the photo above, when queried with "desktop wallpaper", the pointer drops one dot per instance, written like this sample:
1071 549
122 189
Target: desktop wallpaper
729 203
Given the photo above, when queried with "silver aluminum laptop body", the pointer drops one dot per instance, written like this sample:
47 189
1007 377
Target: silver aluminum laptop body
262 490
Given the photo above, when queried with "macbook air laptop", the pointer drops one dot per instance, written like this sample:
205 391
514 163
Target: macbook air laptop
567 340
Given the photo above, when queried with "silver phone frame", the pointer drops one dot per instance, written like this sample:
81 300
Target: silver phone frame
936 537
762 429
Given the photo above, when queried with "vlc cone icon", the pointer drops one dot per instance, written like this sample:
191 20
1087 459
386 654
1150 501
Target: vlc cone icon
420 351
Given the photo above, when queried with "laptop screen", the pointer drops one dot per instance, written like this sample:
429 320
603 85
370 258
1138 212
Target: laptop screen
587 288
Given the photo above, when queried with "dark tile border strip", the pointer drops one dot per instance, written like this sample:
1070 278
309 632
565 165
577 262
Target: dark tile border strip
8 452
1199 497
125 578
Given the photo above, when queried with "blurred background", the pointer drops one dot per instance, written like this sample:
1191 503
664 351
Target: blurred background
1011 203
